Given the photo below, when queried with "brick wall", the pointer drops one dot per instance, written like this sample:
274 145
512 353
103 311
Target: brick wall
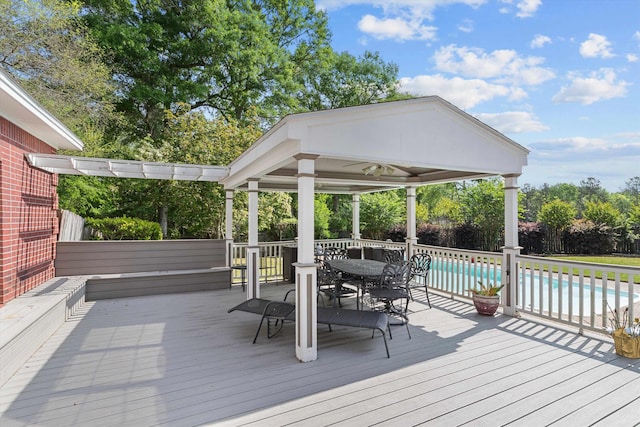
28 214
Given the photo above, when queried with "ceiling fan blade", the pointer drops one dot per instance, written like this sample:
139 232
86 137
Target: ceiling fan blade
354 164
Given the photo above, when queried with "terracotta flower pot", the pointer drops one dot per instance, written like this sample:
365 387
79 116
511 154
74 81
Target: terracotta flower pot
625 344
486 304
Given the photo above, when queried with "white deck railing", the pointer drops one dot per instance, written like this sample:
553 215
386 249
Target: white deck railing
579 293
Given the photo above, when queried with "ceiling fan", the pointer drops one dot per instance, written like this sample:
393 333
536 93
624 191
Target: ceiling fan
378 169
375 169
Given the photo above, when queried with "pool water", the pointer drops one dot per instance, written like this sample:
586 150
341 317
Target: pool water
566 293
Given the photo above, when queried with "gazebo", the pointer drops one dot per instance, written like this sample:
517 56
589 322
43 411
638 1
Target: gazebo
364 149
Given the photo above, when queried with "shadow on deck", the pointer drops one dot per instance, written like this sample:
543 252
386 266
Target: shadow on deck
183 360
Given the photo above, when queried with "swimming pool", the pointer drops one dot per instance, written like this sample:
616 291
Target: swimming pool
561 292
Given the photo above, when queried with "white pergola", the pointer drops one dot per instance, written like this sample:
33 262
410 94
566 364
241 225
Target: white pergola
364 149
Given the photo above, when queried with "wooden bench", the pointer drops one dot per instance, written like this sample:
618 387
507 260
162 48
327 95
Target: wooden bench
281 311
124 285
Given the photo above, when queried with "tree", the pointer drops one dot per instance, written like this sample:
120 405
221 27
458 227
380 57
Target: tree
590 190
379 212
48 50
602 213
188 209
340 80
321 216
483 205
632 189
557 215
447 211
224 56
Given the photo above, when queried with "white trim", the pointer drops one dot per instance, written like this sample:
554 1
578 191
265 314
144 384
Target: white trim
117 168
20 108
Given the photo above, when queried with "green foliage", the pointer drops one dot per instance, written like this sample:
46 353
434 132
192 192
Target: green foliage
422 214
557 214
485 290
379 212
124 229
447 210
322 213
341 220
227 56
602 213
634 218
342 80
483 205
49 52
632 189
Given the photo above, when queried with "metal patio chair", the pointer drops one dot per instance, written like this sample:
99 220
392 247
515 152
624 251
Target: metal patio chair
420 264
392 291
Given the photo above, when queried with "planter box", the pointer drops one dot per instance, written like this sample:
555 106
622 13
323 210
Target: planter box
625 344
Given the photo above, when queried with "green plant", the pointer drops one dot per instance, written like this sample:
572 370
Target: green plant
485 290
125 229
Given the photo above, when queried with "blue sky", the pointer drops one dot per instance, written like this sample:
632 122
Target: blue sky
560 77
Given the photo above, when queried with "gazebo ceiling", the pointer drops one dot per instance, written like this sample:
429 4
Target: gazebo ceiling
378 147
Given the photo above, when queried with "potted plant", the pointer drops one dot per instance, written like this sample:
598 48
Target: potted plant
486 298
625 333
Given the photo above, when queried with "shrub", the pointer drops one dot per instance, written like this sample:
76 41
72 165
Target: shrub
124 229
531 237
431 234
397 233
585 237
467 236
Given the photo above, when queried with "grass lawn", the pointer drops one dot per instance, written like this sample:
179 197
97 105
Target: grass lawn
627 261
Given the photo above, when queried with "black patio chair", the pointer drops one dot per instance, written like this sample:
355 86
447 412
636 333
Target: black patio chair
335 253
392 291
420 264
393 256
331 283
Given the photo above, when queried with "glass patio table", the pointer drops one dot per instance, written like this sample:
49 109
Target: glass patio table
364 269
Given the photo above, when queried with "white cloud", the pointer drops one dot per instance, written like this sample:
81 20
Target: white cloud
596 46
599 85
466 26
396 28
631 57
463 93
526 8
504 65
422 8
611 158
636 35
512 121
539 41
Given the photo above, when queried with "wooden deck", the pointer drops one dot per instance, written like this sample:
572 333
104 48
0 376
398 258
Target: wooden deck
182 360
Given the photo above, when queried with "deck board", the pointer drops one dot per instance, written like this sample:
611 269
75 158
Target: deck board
182 360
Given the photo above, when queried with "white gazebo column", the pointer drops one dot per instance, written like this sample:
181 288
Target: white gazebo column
228 230
306 299
511 248
411 240
355 215
253 250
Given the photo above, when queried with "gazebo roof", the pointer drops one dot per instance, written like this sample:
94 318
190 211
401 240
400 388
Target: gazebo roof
378 147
